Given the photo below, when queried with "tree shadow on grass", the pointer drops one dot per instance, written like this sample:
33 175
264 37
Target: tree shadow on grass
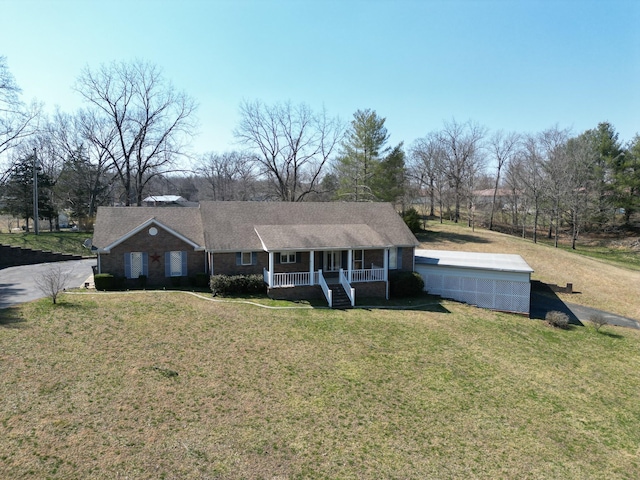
440 237
422 303
610 334
67 305
9 318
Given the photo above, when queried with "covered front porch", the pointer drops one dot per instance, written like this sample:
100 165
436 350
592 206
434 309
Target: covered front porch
336 272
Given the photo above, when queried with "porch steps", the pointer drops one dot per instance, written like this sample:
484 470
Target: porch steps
340 299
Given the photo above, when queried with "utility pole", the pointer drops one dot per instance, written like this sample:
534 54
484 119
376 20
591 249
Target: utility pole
36 227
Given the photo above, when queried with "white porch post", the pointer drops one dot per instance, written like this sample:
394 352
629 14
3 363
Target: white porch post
312 255
271 263
349 263
386 270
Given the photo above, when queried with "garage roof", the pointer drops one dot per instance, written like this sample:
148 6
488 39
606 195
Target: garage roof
482 261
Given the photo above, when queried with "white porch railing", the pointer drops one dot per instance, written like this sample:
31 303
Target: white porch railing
300 279
291 279
367 275
328 294
351 292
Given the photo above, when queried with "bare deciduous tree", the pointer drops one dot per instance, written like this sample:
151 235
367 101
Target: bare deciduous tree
52 282
461 145
503 147
514 173
82 141
151 121
290 144
553 148
228 176
427 168
532 178
581 180
17 121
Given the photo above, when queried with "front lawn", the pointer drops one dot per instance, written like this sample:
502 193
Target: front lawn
168 385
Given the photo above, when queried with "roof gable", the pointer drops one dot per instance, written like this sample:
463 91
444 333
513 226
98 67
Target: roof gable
116 224
149 223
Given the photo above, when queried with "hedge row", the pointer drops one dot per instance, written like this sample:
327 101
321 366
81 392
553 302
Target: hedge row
107 281
237 284
405 284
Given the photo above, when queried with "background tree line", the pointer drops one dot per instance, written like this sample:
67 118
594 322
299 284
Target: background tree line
132 139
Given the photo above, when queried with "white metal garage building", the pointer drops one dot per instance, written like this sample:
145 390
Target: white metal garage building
488 280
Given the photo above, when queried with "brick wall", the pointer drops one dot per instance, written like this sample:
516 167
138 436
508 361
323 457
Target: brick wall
155 246
407 258
370 289
363 290
226 264
296 293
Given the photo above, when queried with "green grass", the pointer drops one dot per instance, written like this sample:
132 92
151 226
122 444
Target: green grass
63 242
608 249
602 283
615 255
169 385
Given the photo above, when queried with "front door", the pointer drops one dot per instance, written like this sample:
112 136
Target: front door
332 260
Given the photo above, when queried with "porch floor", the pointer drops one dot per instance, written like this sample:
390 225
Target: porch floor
331 277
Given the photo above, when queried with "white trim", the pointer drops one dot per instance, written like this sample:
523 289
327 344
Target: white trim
287 256
242 254
393 265
179 273
264 247
329 256
271 266
385 265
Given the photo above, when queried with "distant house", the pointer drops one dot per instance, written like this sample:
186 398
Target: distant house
485 197
302 250
166 200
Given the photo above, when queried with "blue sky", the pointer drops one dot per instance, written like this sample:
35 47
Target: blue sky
513 65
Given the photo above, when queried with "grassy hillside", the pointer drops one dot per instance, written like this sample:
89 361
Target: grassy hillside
168 385
603 283
64 242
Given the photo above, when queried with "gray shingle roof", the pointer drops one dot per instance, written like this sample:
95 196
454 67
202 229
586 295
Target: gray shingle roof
317 237
236 226
113 223
231 226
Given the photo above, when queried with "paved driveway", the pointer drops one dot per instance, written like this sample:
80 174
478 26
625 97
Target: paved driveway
17 284
578 314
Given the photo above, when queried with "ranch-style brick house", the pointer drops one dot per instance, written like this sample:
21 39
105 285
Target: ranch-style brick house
302 250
